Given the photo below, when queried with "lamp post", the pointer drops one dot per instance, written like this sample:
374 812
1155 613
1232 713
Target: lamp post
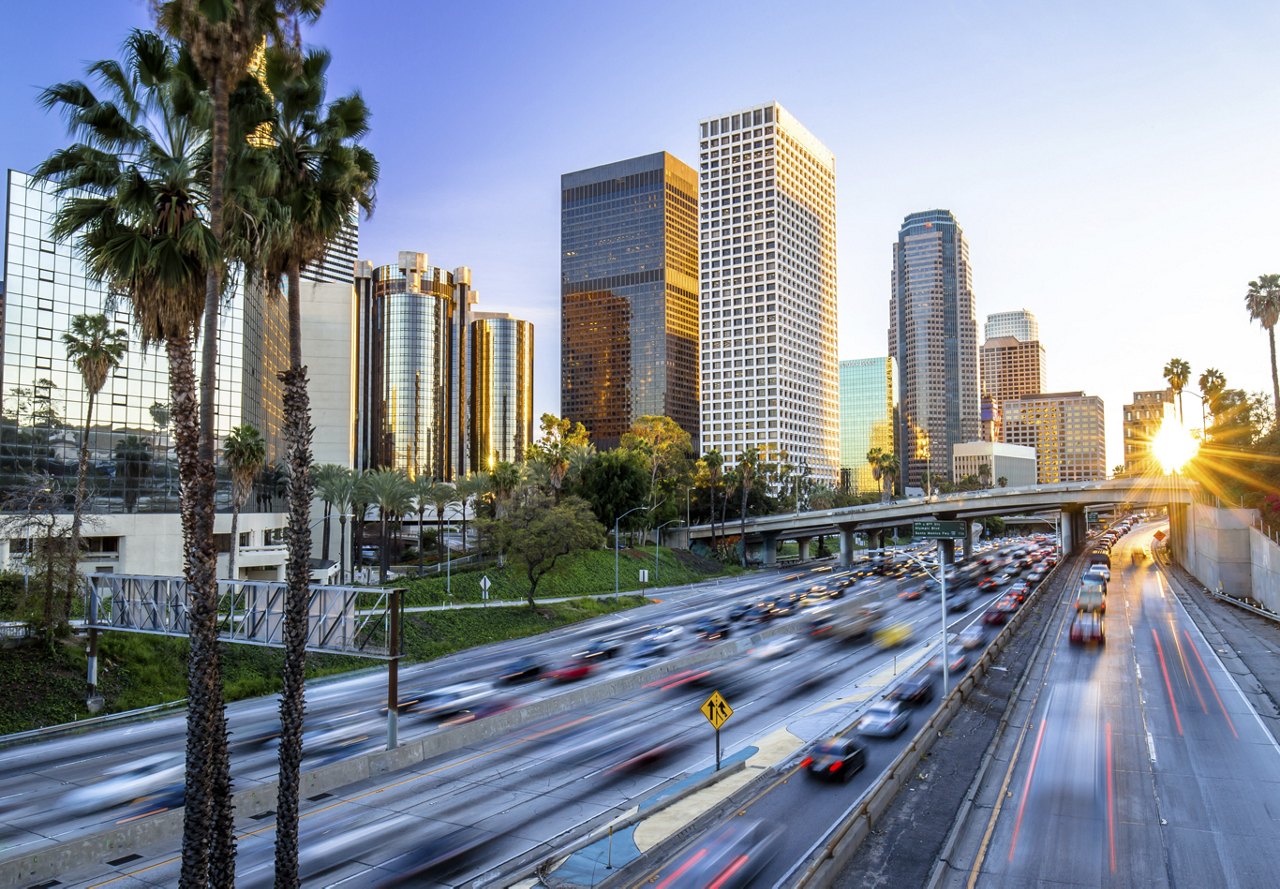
616 522
657 538
941 580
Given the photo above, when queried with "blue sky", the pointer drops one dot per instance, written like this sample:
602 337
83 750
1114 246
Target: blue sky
1114 166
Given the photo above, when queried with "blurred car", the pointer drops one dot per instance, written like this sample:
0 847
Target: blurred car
1087 627
1091 599
440 702
958 661
972 637
482 709
1021 589
776 648
523 669
893 635
728 857
165 799
603 648
915 689
711 629
996 616
435 857
961 602
884 719
821 569
125 782
739 611
572 670
987 583
835 759
912 593
780 606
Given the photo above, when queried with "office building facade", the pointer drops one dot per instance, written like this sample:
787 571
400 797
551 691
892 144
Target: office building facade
629 296
933 335
1067 431
1011 368
993 462
501 390
868 419
1142 420
1019 324
767 232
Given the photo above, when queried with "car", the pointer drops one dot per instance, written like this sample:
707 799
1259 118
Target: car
603 649
958 660
1102 571
914 689
780 606
1087 627
1091 599
522 669
961 602
436 703
776 648
986 584
138 776
995 616
972 637
572 670
884 719
835 759
893 635
821 569
728 858
739 611
912 593
667 633
711 629
759 613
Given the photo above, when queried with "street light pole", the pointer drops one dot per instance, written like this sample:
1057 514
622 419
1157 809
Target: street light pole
616 522
657 538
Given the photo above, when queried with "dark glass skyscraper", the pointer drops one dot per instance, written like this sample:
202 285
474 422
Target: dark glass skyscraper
629 295
933 335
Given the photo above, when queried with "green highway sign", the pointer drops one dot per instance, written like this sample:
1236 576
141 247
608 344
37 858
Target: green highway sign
937 530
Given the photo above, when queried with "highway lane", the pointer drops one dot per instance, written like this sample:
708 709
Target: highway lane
1143 764
518 791
37 778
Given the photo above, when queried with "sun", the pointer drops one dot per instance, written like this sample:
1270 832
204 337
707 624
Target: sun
1174 446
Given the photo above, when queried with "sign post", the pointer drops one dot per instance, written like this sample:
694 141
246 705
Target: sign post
484 588
941 531
717 711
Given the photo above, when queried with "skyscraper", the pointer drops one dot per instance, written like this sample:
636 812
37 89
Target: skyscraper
1019 324
501 389
1142 420
768 298
629 295
1067 431
340 255
933 335
868 418
1011 368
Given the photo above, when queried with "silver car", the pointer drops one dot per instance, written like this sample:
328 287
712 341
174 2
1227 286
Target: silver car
884 719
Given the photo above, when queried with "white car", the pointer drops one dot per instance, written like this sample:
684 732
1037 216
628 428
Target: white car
127 782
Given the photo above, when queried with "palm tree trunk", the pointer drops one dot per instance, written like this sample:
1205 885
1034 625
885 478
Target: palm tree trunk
77 515
439 533
297 411
744 524
1275 378
324 542
342 549
422 517
208 780
384 557
235 541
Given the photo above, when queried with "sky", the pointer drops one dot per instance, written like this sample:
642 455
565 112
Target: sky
1113 165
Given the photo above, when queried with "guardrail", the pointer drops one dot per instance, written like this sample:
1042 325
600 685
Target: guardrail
844 839
1241 603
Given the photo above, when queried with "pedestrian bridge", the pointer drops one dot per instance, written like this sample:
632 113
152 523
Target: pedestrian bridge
1067 502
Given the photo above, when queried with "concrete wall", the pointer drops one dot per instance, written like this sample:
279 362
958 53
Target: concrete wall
1265 564
1215 547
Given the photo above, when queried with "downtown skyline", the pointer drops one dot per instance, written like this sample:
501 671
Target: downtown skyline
1111 169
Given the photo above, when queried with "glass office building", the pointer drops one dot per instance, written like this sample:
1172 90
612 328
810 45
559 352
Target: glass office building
501 390
933 335
868 419
629 296
1067 431
133 466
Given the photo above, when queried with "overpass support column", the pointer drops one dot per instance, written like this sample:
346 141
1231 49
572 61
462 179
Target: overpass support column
769 549
803 543
968 539
1075 530
846 546
948 553
875 538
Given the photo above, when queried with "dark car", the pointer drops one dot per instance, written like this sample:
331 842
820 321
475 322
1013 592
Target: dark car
727 857
603 648
711 629
739 611
835 759
522 669
961 602
915 689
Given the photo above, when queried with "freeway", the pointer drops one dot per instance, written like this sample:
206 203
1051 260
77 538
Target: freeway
468 817
1139 763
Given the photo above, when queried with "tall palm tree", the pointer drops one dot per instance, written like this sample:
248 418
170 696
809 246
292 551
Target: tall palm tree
748 466
335 485
875 457
1263 303
135 191
467 490
442 495
391 492
422 490
503 481
245 452
95 350
1212 383
324 477
714 461
1176 373
890 469
322 176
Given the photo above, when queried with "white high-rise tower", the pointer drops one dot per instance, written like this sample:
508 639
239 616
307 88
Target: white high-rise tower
767 233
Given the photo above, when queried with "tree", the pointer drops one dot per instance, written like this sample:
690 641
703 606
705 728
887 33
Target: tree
553 450
467 489
891 470
1177 372
1263 302
714 461
536 533
1002 482
443 495
324 476
336 486
663 446
95 350
390 491
322 176
133 464
502 482
613 483
874 458
748 467
422 486
245 453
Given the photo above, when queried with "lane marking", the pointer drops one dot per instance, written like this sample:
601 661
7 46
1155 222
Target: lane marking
1212 687
1168 685
1151 748
1111 803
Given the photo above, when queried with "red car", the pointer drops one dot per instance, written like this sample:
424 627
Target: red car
573 670
987 583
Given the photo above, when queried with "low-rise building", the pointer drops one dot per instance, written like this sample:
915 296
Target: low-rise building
993 461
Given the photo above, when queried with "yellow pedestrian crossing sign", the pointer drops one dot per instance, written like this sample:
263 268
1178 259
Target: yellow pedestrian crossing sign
717 710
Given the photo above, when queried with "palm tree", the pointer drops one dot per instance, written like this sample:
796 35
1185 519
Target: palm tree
714 461
322 176
890 469
1177 372
467 489
325 475
442 495
422 490
1263 303
503 481
245 452
335 485
391 492
748 466
135 194
875 457
95 350
1212 383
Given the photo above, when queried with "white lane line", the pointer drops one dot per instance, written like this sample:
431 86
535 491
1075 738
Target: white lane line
1136 665
1151 748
